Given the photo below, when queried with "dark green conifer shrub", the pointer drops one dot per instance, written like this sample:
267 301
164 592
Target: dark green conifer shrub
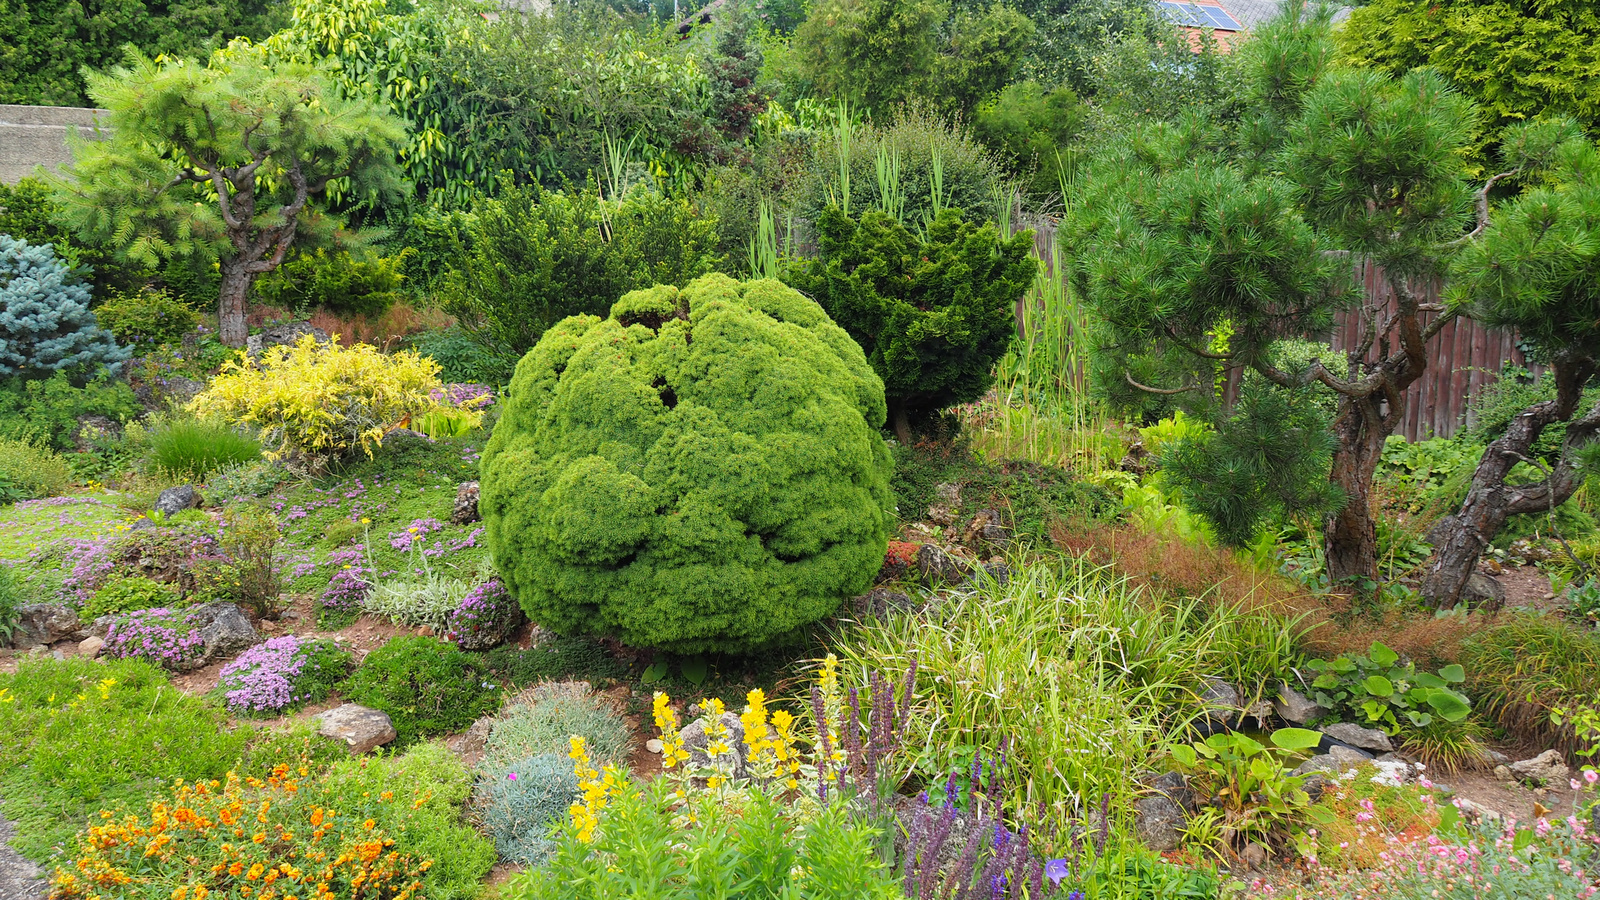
700 471
427 687
932 312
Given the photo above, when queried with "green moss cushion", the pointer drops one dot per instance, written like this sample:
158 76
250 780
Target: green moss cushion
702 470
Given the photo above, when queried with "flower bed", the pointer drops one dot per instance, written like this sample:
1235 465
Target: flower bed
281 674
167 637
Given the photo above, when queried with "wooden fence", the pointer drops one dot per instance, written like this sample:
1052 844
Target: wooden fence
1464 357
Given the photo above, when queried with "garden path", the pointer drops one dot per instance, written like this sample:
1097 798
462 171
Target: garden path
20 879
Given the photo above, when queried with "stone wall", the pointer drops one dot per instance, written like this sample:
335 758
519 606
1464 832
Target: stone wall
33 136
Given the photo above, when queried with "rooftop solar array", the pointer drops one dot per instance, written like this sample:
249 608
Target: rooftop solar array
1199 16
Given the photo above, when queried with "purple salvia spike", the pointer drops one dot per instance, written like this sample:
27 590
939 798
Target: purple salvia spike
852 736
930 859
822 736
960 878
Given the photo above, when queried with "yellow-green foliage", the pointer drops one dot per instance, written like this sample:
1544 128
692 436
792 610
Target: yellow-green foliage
322 399
702 470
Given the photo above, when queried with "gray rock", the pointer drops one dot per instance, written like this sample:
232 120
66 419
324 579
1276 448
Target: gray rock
465 511
1476 812
1503 773
44 623
286 335
879 602
1259 711
942 515
987 529
1159 822
1497 758
938 567
1548 767
1254 855
948 493
473 739
20 879
694 740
1293 706
996 570
226 631
175 500
1356 736
1483 592
1322 762
1220 699
91 646
359 727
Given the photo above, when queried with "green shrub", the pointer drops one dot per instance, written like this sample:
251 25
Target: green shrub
430 825
427 687
532 258
12 597
545 725
933 313
700 471
339 282
571 656
121 595
233 481
47 411
147 319
522 800
45 322
1033 127
191 449
81 733
28 472
644 848
461 359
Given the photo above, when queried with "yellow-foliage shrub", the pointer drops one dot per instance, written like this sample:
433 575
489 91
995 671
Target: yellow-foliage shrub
321 399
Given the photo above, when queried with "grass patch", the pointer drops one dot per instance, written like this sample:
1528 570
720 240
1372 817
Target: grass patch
1521 670
191 449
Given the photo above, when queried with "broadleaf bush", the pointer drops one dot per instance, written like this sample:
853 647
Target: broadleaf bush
29 472
700 471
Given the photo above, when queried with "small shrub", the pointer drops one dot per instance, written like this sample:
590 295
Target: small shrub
12 598
29 472
427 687
547 722
45 322
462 358
303 846
249 537
168 638
571 656
321 400
483 617
521 803
643 847
232 481
281 675
121 595
145 320
340 282
719 485
47 411
1375 691
191 449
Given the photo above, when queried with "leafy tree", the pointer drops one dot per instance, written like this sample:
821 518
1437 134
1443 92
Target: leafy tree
1035 129
1199 259
881 53
45 44
1519 59
221 159
933 312
1074 35
1536 268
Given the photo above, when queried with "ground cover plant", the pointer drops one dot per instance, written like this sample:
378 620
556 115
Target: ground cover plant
281 674
647 533
427 687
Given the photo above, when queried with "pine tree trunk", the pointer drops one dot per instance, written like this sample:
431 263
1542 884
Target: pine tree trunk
902 425
236 281
1349 535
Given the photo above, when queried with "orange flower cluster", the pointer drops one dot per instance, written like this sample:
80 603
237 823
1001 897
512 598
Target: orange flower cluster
239 839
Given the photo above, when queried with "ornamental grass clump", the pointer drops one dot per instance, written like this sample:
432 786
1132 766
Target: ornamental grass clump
701 471
321 400
546 724
167 637
281 675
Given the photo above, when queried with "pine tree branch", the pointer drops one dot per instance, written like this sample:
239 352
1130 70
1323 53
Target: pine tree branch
1163 391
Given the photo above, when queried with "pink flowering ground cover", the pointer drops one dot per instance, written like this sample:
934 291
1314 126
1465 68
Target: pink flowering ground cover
282 674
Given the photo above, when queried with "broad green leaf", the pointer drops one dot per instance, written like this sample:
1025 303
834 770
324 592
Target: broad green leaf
1185 756
1523 840
1326 681
654 673
694 670
1378 686
1382 655
1453 674
1296 739
1450 705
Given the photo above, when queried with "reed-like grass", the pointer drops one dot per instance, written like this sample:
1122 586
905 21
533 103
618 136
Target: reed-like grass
1087 679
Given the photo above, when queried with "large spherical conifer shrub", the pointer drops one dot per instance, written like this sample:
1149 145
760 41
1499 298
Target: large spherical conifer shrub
703 470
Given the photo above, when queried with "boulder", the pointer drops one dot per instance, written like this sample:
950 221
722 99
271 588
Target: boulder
938 566
359 727
473 739
879 602
286 335
1159 821
1483 592
1220 700
95 431
465 511
1347 757
44 623
987 529
941 515
1295 707
1322 762
91 646
1548 768
224 632
694 740
948 493
175 500
1356 736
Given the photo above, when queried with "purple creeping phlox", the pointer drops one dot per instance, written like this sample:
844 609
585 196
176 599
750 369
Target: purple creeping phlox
263 678
166 637
348 588
484 616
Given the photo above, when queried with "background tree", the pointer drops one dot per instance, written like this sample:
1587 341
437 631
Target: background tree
1519 59
1202 258
1535 268
45 44
221 159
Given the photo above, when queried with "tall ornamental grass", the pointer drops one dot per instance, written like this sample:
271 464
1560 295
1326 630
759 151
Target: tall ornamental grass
1087 679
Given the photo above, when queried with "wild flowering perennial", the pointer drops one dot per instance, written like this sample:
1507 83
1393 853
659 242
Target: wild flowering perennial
169 638
464 396
285 671
595 789
348 588
484 617
414 534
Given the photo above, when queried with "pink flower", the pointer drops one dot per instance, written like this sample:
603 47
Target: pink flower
511 776
1591 776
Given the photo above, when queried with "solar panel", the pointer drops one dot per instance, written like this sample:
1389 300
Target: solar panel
1182 13
1220 18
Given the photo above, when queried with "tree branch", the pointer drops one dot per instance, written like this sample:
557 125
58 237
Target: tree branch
1163 391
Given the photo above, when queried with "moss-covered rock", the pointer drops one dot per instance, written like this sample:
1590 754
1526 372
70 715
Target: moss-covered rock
702 470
